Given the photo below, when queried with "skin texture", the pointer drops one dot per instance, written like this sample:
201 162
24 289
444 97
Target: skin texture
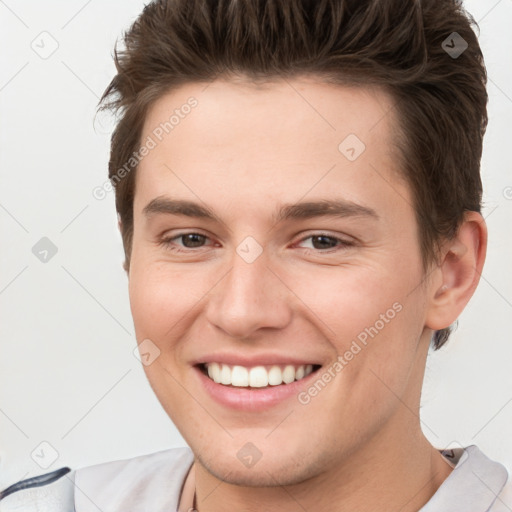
244 151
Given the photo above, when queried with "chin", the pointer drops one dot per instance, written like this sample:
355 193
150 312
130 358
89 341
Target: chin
280 469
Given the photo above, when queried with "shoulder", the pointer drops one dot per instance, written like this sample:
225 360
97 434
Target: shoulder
477 483
503 501
150 482
51 491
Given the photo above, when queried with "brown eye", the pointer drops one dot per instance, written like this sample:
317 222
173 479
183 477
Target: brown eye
191 240
183 242
323 242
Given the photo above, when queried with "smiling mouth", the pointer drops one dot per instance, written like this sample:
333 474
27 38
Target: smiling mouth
256 376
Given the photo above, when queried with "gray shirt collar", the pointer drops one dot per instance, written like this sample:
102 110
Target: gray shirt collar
474 484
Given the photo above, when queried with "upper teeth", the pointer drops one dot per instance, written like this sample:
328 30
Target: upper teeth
258 376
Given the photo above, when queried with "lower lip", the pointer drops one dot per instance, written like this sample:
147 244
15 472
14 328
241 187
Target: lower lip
252 399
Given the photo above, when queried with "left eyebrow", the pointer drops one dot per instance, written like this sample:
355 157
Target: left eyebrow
334 207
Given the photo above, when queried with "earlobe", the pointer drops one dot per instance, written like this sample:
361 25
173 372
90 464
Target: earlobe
460 270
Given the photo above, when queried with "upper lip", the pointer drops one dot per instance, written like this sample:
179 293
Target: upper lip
256 360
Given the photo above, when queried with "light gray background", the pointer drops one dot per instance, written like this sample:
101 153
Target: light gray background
68 376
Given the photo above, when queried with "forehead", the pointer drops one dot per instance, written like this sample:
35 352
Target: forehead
292 137
305 108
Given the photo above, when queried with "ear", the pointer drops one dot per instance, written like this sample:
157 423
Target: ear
459 272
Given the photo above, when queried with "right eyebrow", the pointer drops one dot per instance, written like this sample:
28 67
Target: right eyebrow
178 207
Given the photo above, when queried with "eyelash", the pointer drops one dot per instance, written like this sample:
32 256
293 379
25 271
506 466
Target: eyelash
167 242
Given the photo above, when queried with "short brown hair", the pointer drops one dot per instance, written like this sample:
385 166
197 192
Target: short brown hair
399 45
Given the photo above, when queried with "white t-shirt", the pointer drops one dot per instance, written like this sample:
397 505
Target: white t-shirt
156 483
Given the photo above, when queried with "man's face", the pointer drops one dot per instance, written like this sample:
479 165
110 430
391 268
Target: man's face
247 287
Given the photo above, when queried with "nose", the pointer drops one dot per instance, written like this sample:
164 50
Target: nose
249 297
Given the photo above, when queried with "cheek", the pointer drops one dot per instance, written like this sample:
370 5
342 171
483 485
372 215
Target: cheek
161 304
161 299
373 323
386 350
349 299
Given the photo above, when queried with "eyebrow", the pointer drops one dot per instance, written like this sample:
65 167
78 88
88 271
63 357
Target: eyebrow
305 210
